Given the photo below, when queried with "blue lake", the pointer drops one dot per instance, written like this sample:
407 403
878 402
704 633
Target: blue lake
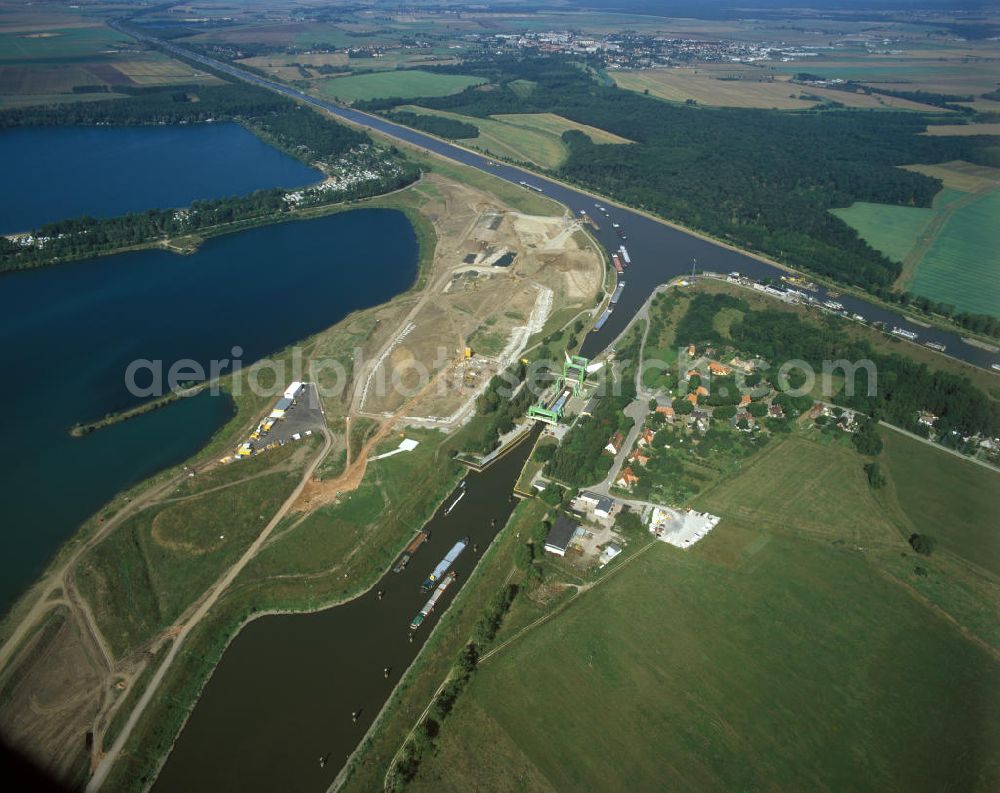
52 173
68 333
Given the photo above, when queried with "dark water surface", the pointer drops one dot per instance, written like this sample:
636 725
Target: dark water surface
67 334
283 694
52 173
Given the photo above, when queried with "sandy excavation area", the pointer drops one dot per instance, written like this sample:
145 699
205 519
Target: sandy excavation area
498 278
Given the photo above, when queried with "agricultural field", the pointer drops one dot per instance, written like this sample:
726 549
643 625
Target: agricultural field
43 63
826 488
404 84
947 251
955 510
968 70
961 267
956 175
754 662
557 125
526 137
791 648
62 44
964 129
893 230
746 87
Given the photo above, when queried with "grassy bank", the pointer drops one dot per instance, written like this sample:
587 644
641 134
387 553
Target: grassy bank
780 652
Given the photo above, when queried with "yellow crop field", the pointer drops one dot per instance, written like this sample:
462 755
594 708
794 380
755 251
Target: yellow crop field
162 71
963 129
706 88
557 125
961 175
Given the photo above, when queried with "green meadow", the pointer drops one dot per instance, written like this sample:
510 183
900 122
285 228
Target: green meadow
789 650
893 230
961 267
403 83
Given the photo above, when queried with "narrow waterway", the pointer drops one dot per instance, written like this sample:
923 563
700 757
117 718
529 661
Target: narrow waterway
659 252
283 694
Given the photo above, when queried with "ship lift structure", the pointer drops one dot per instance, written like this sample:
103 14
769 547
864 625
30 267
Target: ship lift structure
571 383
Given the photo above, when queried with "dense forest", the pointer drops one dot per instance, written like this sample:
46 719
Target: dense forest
436 125
169 105
761 179
306 133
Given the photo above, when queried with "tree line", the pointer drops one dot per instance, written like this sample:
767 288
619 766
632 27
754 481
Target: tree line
904 387
436 125
78 238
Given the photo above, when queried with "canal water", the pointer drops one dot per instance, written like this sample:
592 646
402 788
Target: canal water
659 252
52 173
68 333
283 694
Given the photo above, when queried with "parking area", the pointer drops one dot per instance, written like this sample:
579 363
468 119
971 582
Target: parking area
681 529
297 415
302 418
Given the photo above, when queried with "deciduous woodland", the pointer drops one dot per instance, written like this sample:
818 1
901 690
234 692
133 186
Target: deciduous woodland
760 179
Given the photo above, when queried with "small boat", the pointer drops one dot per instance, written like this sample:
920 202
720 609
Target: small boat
452 505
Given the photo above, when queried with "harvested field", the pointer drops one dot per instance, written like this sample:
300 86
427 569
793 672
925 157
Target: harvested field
963 129
958 175
761 89
557 125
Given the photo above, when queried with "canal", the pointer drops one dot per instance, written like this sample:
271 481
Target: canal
284 692
659 252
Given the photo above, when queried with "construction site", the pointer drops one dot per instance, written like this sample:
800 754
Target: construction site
497 277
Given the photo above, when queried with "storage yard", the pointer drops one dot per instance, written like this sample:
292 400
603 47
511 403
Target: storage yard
296 415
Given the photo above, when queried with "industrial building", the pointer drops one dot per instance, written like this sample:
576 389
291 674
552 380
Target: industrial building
560 535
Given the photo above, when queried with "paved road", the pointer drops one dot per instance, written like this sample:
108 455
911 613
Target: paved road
636 411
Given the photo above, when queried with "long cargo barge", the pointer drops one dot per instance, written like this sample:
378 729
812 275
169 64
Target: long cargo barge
617 263
625 257
430 604
909 335
404 558
602 319
445 563
618 292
